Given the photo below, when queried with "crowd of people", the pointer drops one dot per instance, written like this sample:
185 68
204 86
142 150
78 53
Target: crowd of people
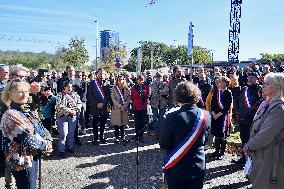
187 117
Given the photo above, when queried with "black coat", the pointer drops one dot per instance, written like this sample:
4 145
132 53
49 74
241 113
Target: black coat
246 114
226 100
93 98
177 126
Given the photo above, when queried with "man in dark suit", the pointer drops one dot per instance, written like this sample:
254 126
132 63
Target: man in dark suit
181 125
98 99
68 75
249 101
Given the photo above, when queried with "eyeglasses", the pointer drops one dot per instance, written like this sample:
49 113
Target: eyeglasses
19 76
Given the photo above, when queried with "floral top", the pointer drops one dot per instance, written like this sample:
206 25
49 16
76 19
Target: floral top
26 136
66 103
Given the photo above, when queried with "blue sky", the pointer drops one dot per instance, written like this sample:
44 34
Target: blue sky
45 25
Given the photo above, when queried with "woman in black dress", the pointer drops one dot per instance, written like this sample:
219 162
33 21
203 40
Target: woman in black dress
221 107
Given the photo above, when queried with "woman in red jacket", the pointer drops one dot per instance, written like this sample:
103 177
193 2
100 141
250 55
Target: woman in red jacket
139 97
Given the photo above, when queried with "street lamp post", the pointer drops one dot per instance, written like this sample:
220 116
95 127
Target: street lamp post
97 39
190 48
152 63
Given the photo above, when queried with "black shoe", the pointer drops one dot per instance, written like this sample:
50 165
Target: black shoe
78 142
241 161
83 132
221 156
214 154
70 151
55 131
116 141
103 141
142 140
62 154
95 142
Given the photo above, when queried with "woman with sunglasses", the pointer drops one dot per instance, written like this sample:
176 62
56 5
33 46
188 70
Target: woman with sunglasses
28 139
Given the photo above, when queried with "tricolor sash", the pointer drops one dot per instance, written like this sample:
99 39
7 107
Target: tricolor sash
99 89
226 123
177 154
246 97
71 100
219 98
121 97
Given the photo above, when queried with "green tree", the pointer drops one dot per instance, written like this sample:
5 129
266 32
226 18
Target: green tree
265 57
27 59
76 54
165 55
201 55
111 53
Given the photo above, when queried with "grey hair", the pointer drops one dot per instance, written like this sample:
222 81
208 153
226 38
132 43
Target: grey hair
278 80
19 67
3 67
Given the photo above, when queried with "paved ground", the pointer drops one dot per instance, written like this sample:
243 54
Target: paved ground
112 166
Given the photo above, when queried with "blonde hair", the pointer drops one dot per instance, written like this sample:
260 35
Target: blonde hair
122 82
12 85
278 80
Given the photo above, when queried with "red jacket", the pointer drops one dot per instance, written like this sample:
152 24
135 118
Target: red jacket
139 101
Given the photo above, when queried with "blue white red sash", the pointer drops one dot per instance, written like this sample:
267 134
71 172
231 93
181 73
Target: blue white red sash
99 89
121 97
246 97
226 123
71 100
219 98
177 154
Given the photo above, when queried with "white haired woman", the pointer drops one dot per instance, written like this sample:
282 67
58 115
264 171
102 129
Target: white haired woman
266 143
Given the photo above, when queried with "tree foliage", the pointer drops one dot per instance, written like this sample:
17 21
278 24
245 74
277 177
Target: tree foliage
265 57
111 53
165 55
76 54
28 59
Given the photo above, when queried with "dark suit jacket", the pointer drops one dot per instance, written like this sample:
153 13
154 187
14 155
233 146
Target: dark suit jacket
93 98
177 126
246 114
